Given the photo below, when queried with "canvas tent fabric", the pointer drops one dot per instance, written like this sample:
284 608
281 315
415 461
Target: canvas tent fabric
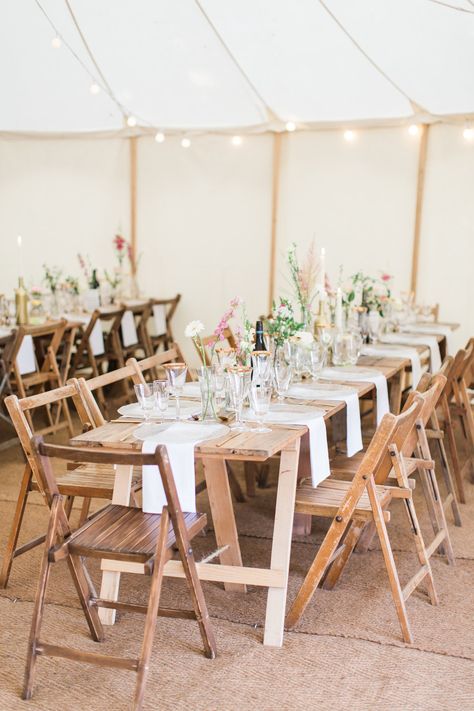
209 65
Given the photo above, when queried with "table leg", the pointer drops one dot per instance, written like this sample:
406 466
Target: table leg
109 589
281 546
396 388
223 518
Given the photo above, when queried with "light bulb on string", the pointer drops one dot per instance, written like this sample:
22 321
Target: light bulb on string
236 140
349 135
131 121
290 126
94 88
159 137
413 130
185 142
56 42
468 133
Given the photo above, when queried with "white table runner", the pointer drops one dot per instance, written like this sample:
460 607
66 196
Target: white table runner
314 421
180 439
428 328
377 350
368 375
347 395
413 339
129 330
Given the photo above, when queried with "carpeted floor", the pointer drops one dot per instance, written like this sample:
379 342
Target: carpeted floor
346 652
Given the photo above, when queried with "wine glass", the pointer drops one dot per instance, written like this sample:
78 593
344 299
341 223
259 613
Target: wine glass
226 357
176 373
162 393
282 373
238 379
355 347
262 366
299 359
317 357
146 398
260 396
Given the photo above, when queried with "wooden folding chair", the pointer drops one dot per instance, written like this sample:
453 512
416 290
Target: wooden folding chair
365 499
207 341
85 361
143 348
117 532
43 373
85 481
460 406
160 330
149 369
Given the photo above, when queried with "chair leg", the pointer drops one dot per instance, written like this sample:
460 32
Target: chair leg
250 476
350 541
16 526
449 483
152 612
84 591
39 599
86 504
396 589
453 449
234 485
366 538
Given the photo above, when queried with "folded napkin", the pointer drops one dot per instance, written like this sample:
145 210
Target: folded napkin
318 440
413 339
440 328
350 397
365 375
180 439
380 350
129 330
26 359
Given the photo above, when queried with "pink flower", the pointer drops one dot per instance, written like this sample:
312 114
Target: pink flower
386 277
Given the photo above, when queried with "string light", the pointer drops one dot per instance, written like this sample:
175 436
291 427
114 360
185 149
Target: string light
236 140
413 130
159 137
56 42
468 134
290 126
94 88
349 135
185 142
131 121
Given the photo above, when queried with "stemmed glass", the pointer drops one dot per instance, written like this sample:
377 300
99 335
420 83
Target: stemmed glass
260 396
299 359
282 373
262 366
176 373
317 357
238 379
162 392
145 394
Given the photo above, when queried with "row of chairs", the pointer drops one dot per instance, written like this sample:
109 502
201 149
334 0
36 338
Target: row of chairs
356 498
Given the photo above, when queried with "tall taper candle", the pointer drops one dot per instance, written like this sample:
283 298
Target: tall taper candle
20 255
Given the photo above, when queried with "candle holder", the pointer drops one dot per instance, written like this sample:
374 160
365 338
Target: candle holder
21 303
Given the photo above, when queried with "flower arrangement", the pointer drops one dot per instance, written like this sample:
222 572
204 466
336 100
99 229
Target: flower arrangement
122 248
52 277
72 285
368 292
282 324
113 279
90 273
303 278
36 292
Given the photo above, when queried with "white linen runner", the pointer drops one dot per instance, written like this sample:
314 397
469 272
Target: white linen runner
351 398
440 328
378 379
379 349
430 342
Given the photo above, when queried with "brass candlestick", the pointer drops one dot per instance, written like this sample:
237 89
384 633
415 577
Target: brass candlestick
21 302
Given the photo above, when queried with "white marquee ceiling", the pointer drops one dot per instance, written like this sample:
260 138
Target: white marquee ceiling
226 64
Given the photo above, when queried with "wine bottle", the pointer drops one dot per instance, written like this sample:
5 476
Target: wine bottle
259 339
94 283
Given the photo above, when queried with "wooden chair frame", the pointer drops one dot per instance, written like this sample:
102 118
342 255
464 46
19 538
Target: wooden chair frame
63 544
165 339
141 314
382 454
84 357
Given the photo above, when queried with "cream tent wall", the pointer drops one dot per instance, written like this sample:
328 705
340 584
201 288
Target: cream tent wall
208 70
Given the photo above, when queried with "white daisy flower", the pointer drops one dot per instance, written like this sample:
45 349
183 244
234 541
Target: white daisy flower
193 329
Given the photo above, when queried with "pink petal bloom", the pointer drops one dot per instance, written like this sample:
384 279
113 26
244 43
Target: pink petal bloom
386 277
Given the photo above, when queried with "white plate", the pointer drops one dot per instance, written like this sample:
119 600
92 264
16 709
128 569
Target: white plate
192 390
180 432
281 412
351 372
186 410
319 391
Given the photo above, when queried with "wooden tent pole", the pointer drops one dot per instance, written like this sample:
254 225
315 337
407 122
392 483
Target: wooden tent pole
133 203
420 188
275 200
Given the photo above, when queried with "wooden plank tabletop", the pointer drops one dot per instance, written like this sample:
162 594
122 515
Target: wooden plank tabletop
257 446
